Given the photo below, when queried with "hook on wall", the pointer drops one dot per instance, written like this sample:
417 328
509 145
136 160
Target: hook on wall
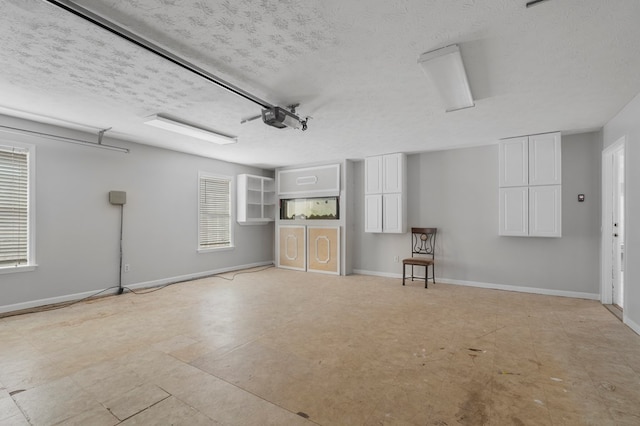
101 134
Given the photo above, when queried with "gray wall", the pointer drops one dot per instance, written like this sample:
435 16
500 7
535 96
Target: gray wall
457 192
77 230
627 123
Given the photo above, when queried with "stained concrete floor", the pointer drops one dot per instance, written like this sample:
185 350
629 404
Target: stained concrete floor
291 348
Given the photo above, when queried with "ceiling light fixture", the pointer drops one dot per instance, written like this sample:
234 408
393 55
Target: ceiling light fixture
446 70
189 130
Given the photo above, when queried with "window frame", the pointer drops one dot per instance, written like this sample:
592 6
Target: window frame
232 203
31 207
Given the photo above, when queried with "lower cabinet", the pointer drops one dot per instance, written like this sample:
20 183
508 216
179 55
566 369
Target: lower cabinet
309 248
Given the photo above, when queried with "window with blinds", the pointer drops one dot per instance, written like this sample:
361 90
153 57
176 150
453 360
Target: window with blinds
214 210
14 206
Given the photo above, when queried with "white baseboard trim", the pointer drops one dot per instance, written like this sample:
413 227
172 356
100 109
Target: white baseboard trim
632 324
377 273
155 283
532 290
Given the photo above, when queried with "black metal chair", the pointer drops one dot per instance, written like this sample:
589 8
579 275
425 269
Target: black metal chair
423 243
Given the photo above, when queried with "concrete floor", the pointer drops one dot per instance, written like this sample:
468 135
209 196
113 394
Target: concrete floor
291 348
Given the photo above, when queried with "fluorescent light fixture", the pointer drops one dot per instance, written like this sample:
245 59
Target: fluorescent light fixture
446 70
189 130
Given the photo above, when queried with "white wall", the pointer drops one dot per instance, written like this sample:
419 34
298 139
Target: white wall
457 192
77 230
627 124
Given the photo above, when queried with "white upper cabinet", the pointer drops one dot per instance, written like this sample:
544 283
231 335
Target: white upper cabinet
256 199
318 181
392 213
514 164
373 175
530 186
545 158
514 208
372 213
393 166
545 211
385 193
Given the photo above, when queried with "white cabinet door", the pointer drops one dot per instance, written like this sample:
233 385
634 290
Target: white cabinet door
322 181
393 173
373 175
545 211
373 213
545 158
513 162
514 208
392 211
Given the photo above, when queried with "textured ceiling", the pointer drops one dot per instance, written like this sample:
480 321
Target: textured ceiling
567 65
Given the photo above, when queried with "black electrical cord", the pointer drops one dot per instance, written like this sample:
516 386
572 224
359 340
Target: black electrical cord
153 290
58 305
121 288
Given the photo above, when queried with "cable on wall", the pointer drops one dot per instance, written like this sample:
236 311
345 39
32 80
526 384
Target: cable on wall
121 32
19 131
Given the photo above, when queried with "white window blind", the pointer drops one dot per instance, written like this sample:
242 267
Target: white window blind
14 206
214 208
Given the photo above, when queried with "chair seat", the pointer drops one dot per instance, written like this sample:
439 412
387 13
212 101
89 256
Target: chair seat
417 261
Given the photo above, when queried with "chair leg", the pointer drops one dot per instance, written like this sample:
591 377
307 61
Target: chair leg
412 273
426 276
433 272
403 272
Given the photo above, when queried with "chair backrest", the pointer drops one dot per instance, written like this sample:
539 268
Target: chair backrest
423 241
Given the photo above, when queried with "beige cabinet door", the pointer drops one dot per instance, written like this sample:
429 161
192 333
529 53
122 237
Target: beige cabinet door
323 249
291 248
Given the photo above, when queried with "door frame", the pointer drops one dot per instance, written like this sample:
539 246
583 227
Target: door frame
606 243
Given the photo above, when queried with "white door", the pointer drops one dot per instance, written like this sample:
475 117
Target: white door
545 159
545 211
617 222
373 213
613 223
514 211
392 213
513 162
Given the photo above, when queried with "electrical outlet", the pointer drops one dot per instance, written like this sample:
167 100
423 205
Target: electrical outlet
396 259
127 267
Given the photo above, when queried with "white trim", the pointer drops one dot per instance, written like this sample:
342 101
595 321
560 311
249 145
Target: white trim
215 249
630 323
16 269
606 229
377 273
146 284
492 286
